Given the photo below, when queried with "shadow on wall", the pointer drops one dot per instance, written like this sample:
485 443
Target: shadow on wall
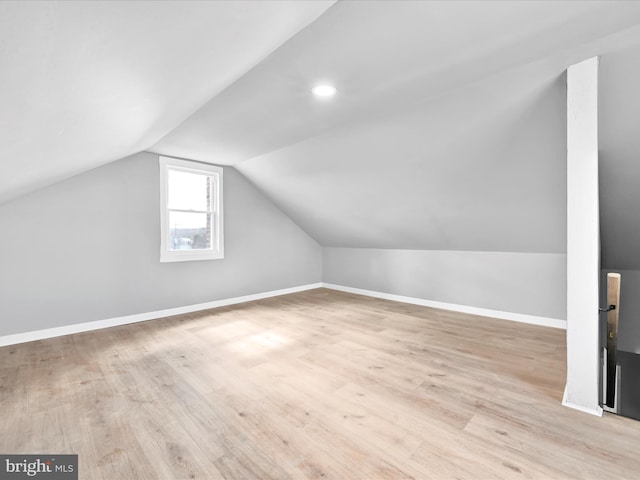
619 176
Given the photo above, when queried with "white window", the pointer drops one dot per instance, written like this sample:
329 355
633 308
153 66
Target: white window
190 211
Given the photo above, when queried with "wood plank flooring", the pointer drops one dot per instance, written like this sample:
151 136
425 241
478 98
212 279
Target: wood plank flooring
314 385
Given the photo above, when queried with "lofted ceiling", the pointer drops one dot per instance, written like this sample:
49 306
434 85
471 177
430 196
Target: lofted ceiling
383 56
448 130
478 168
84 83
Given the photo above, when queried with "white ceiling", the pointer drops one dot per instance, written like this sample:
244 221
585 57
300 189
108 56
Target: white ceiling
382 56
448 130
478 168
86 83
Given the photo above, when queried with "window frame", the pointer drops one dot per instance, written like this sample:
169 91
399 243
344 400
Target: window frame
217 217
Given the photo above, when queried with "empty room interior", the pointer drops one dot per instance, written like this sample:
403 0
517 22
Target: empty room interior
319 239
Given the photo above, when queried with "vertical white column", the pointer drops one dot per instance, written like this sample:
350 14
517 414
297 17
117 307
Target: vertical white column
583 238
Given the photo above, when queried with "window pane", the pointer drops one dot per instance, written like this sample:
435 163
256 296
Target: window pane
189 231
189 191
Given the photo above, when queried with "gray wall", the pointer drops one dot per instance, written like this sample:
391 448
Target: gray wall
619 125
88 249
528 283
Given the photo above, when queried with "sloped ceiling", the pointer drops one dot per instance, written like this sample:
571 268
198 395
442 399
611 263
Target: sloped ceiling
448 130
619 139
476 169
383 56
86 83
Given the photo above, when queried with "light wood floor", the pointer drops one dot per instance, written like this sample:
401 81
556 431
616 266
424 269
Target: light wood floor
321 385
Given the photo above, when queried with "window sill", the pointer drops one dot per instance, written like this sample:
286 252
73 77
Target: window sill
190 256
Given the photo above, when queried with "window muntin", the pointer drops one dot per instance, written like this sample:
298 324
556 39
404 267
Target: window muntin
191 211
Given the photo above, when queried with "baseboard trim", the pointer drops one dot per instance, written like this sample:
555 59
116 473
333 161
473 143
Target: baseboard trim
485 312
591 411
143 317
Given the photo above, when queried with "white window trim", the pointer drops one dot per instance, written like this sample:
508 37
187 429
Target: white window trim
216 253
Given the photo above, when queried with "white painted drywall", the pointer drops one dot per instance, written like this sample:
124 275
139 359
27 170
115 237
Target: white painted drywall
88 248
480 169
583 237
384 57
87 83
525 283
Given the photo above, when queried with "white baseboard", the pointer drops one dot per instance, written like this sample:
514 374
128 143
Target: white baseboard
142 317
485 312
591 411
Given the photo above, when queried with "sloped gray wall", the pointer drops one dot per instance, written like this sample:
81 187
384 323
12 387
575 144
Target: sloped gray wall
88 248
482 168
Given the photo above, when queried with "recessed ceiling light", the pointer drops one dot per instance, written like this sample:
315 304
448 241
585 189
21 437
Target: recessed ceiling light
324 90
